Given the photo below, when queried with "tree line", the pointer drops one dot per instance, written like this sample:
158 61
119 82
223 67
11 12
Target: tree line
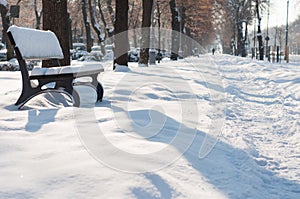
95 21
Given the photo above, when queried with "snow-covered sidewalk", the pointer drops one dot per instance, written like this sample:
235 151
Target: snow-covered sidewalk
240 116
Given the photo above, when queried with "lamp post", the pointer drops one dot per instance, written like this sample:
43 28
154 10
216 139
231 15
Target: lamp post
244 25
179 10
287 33
254 39
158 22
259 34
152 59
267 37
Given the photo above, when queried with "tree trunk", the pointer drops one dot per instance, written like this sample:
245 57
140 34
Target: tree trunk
189 42
103 19
135 21
111 10
121 33
55 18
159 34
94 22
259 34
239 38
244 50
184 41
38 16
89 42
106 32
70 31
146 22
6 24
175 30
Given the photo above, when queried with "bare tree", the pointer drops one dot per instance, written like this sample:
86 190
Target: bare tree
111 10
175 30
237 13
86 21
259 34
121 33
107 17
134 19
102 16
96 26
38 15
55 18
146 22
6 23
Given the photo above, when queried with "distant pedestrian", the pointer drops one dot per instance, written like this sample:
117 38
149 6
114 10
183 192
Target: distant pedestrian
213 51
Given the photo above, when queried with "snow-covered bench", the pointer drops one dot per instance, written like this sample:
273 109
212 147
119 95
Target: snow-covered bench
32 44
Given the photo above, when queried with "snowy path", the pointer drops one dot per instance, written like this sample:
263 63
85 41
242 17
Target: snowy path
264 111
252 107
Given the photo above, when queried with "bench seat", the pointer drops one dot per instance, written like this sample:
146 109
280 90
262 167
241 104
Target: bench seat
76 69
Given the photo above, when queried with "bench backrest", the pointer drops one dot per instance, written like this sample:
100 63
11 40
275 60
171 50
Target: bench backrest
36 44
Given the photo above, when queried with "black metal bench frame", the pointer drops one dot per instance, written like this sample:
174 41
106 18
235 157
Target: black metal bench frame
63 82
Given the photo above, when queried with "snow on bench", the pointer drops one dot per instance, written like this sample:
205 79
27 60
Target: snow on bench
32 44
64 69
36 44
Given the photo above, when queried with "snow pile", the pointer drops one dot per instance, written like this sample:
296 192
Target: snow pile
13 65
87 95
151 114
143 65
121 68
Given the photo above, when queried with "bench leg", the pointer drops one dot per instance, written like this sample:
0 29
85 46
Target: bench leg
98 86
67 85
100 92
76 99
27 94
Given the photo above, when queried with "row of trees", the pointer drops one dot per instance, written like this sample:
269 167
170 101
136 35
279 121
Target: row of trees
278 36
239 14
109 17
96 21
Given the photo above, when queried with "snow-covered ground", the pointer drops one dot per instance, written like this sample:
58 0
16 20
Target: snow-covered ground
204 127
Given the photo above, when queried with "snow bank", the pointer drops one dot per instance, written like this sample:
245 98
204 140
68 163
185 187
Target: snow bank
87 96
121 68
13 65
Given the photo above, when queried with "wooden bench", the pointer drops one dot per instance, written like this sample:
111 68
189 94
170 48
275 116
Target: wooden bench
32 44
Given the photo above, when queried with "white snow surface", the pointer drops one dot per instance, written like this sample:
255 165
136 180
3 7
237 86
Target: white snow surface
121 68
257 154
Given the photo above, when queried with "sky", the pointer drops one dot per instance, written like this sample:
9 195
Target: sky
278 10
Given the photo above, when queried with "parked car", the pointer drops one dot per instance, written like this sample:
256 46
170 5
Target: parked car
133 55
97 52
3 52
166 54
109 55
96 48
109 47
2 45
88 58
78 50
